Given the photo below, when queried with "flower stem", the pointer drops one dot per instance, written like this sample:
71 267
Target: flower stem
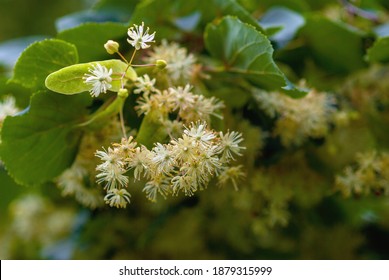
122 123
143 65
122 57
132 57
128 66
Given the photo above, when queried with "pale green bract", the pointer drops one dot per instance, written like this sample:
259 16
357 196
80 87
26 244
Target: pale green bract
70 80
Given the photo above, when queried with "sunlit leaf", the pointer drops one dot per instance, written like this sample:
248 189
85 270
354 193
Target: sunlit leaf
89 38
42 58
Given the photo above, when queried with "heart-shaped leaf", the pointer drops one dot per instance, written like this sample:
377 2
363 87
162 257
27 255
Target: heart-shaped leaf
89 38
42 58
40 143
245 51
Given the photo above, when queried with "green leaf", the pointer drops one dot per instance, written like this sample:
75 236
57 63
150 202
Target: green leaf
125 6
153 13
39 144
12 49
89 38
231 7
42 58
20 93
69 80
245 51
75 19
335 46
379 52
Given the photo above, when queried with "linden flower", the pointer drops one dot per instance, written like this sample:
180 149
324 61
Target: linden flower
159 184
145 84
140 161
232 174
163 158
229 144
200 133
100 79
117 198
111 170
184 184
184 98
139 39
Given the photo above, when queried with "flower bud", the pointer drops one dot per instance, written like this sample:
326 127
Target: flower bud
123 93
161 64
111 47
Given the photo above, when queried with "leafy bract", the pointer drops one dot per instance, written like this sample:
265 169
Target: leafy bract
100 118
379 52
42 58
40 143
245 51
89 38
70 80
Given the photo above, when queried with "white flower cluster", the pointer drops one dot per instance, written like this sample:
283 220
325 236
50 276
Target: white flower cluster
297 119
99 77
180 65
180 100
186 164
78 181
